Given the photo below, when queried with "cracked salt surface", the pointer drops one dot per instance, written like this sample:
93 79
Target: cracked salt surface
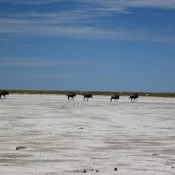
136 138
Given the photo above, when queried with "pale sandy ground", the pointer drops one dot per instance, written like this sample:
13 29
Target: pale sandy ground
64 138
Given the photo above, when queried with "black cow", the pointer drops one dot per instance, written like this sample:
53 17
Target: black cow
3 93
115 97
87 96
72 95
134 97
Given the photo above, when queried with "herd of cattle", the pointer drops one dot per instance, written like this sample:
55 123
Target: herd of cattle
71 96
133 98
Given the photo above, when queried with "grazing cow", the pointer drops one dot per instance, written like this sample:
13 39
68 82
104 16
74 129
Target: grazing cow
115 97
134 97
3 93
71 96
87 96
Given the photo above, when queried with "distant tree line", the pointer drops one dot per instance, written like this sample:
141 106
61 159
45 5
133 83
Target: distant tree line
110 93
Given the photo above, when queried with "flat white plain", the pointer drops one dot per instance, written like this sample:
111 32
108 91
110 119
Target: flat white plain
75 137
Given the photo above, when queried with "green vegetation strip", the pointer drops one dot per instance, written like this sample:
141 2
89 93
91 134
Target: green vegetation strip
156 94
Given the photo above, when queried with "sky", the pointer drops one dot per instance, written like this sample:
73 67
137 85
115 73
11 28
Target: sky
98 45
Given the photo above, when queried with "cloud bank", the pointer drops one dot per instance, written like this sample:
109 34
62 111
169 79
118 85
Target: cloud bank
108 5
84 21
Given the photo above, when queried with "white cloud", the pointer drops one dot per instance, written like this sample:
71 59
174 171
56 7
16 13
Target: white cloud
43 76
79 31
36 76
105 4
36 2
32 62
24 62
118 5
82 22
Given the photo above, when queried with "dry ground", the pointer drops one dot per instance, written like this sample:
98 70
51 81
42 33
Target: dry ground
94 137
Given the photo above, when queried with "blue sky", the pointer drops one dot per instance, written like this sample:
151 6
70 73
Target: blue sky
114 45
